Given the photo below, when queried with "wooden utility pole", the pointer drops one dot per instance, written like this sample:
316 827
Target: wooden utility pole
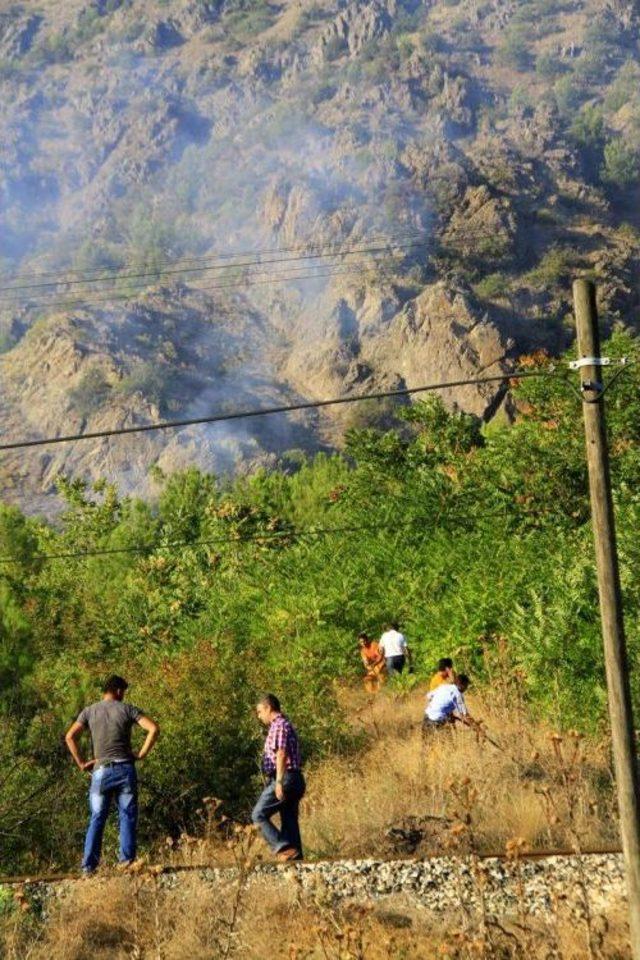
615 653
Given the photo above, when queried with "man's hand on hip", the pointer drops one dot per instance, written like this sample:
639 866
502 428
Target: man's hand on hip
279 790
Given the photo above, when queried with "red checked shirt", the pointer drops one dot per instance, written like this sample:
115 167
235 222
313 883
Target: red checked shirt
280 736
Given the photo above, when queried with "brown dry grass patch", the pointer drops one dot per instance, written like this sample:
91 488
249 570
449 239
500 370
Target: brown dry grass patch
136 917
457 792
353 802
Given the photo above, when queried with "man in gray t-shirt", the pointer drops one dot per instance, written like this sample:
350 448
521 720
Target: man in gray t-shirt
109 723
112 768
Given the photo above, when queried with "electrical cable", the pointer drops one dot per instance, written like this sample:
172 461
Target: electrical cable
256 254
145 291
157 274
257 536
619 373
284 408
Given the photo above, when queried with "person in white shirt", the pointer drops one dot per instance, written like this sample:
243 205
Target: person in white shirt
394 649
446 704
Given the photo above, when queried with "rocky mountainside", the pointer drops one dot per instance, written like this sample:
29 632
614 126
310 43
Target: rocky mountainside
217 204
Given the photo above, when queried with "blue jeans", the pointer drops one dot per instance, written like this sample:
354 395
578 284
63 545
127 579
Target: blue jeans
120 783
395 665
268 804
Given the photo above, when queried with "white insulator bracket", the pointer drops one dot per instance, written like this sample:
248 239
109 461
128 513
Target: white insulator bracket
597 362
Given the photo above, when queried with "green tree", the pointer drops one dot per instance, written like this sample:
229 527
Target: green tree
513 49
548 66
621 164
588 128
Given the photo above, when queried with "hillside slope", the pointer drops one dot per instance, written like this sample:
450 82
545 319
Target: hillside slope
459 160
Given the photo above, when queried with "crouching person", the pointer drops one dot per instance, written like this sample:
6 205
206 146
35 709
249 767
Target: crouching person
285 786
112 768
446 705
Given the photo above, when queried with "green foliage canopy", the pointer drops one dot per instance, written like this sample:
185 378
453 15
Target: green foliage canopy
470 535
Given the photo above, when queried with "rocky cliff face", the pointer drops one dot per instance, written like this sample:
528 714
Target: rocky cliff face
211 204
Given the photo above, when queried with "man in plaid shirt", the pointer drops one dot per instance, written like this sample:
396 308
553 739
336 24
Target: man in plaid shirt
285 784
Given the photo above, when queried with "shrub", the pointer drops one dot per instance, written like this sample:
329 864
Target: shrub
625 86
90 24
146 379
405 45
246 18
568 94
493 287
548 66
430 41
553 267
513 50
621 164
91 392
520 98
589 68
587 132
56 48
152 238
92 255
326 91
588 128
335 47
536 15
604 35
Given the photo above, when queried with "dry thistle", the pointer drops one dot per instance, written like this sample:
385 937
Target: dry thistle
516 847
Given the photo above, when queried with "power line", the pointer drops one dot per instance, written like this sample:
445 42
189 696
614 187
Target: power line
267 411
353 251
239 538
256 536
171 261
356 269
470 230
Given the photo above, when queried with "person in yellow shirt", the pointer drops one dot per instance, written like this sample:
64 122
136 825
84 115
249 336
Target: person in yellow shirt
444 674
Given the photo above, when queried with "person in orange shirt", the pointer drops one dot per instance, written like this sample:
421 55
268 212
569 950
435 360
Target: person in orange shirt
444 674
373 662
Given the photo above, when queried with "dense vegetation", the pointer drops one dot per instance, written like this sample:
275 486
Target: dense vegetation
470 536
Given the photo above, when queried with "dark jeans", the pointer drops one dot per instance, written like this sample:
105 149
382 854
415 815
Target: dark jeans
268 804
395 665
431 726
118 782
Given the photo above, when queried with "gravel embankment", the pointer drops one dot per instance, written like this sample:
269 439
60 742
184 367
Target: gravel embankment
440 884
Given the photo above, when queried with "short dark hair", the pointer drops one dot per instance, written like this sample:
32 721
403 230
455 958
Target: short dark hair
445 663
365 637
463 679
114 684
393 625
270 700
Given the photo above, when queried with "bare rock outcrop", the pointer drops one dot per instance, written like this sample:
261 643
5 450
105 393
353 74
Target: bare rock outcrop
183 132
441 337
354 27
482 222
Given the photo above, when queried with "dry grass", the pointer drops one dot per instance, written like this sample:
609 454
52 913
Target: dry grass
536 790
135 917
399 795
548 791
